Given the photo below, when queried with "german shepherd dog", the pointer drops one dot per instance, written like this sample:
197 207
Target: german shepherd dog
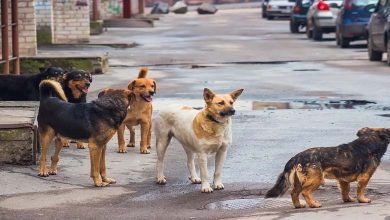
200 132
140 113
94 122
355 161
75 85
26 87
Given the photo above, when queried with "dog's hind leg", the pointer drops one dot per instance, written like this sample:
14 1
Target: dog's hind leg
103 168
202 158
132 136
219 160
56 156
307 194
345 188
191 167
121 139
162 142
297 189
80 145
46 137
64 142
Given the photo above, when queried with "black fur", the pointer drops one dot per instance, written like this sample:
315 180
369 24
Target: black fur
345 160
25 87
80 121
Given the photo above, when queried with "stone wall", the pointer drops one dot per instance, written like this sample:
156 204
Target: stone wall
71 21
43 10
27 28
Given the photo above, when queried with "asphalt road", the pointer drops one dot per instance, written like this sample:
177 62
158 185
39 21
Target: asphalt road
232 49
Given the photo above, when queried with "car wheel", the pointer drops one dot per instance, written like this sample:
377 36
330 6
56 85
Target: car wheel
269 17
344 42
309 33
294 27
388 52
373 55
317 33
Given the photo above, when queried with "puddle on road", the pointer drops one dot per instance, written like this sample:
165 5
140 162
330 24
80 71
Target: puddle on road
259 203
311 104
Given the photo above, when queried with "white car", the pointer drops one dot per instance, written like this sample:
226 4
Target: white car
279 8
321 18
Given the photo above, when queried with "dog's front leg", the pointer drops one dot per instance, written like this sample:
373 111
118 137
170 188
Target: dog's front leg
202 158
103 168
121 139
219 160
145 129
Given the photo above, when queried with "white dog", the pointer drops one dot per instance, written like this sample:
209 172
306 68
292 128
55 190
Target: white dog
200 132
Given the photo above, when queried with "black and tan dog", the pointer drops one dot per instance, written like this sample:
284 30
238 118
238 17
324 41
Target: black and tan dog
355 161
75 85
26 87
140 113
94 122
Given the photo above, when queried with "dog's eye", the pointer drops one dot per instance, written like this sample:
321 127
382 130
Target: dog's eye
231 103
221 103
143 86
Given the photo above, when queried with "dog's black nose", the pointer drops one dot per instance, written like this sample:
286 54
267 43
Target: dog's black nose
87 84
151 92
232 111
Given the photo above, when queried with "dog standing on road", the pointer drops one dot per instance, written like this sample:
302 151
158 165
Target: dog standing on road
355 161
140 113
200 132
94 122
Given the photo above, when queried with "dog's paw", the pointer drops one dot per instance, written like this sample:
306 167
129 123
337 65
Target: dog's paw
364 200
101 184
122 151
315 204
161 180
218 186
43 174
108 180
195 180
131 145
80 146
207 189
299 206
145 151
349 199
53 172
149 147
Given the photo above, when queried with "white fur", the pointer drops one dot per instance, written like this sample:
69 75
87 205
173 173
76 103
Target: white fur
177 122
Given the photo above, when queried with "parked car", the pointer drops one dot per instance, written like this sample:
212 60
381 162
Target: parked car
352 20
279 8
264 8
321 18
379 32
298 16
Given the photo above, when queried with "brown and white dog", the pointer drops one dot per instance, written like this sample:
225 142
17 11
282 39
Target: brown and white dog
200 132
140 113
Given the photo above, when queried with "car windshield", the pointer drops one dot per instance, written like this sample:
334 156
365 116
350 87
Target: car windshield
306 2
364 2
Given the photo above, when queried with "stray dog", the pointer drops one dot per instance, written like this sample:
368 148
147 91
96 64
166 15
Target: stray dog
355 161
94 122
200 132
140 113
26 87
75 85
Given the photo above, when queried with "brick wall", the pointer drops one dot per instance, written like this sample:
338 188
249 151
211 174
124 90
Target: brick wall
27 29
43 13
71 21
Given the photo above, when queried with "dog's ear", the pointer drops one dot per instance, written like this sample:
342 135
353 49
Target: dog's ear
131 85
236 93
208 95
299 168
363 131
102 93
155 87
131 96
384 134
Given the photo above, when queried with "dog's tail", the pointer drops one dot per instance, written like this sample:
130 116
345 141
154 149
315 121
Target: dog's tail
143 72
51 88
283 182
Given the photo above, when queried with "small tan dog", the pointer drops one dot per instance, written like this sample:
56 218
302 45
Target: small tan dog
140 113
200 132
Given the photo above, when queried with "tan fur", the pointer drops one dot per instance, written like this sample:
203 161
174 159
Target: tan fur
140 113
76 86
57 87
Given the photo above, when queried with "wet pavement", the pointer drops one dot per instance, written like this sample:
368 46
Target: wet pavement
233 49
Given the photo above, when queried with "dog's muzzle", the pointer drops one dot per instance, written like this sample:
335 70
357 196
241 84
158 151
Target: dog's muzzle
228 112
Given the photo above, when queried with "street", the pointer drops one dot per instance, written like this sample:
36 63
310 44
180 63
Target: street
233 49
